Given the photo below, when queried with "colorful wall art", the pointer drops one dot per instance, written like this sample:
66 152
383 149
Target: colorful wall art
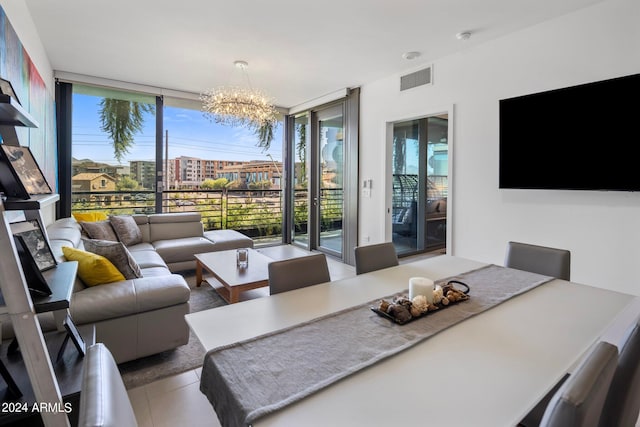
17 67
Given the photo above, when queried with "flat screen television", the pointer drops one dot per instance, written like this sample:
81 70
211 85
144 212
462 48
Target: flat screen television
584 137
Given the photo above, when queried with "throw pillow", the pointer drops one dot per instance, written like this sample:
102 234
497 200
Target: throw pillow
117 253
92 269
101 230
90 216
127 229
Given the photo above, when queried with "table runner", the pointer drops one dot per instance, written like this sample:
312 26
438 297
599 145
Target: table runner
249 379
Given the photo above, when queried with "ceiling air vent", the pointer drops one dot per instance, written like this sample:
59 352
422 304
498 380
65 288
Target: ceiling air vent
418 78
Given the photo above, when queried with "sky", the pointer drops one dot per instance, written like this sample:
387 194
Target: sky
190 134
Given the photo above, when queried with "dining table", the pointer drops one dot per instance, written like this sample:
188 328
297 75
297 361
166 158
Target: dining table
490 369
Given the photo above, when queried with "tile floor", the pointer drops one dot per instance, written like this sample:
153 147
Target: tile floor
177 400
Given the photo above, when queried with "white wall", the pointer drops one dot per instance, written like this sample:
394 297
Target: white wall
602 229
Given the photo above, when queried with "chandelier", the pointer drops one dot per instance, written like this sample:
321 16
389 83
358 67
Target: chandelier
239 106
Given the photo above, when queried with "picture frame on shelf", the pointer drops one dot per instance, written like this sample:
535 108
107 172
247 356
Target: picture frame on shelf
36 282
35 242
6 88
20 175
74 335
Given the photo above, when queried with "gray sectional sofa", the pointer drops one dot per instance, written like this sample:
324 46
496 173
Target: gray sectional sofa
143 316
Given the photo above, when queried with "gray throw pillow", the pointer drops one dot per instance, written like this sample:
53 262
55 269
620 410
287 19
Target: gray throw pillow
101 230
117 253
126 229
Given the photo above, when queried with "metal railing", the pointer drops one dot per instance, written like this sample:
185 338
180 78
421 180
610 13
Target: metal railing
255 213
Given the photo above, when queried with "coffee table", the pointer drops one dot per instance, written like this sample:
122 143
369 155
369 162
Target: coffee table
234 280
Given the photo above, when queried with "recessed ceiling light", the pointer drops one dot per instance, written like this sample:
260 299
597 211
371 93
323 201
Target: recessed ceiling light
465 35
410 55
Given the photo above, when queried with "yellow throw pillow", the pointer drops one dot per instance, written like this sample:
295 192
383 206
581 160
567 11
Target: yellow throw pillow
93 269
90 216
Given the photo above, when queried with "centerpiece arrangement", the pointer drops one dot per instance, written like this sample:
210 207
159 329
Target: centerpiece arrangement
424 298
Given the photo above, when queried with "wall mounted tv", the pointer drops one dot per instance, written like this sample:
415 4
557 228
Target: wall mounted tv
584 137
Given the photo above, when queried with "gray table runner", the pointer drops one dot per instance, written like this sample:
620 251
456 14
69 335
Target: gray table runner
249 379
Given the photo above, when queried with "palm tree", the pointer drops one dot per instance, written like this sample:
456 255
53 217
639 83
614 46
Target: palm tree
264 132
122 119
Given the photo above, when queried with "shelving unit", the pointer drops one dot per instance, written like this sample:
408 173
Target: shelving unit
19 306
22 313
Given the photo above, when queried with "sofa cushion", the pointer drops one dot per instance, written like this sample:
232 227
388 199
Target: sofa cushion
101 230
117 253
148 259
175 226
176 250
93 269
228 239
141 247
69 234
143 224
155 271
126 229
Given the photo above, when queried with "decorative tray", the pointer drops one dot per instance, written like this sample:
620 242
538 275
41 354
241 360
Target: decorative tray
403 310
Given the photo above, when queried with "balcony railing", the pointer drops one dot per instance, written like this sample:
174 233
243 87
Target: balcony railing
255 213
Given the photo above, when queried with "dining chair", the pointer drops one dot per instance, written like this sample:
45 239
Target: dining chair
295 273
375 257
622 406
579 401
539 259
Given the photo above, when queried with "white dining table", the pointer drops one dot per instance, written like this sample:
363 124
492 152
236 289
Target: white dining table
489 370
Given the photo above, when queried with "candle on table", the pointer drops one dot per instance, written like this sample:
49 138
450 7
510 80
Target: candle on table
421 286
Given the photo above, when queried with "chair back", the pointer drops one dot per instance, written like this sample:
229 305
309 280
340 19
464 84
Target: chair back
300 272
375 257
622 406
104 401
539 259
579 402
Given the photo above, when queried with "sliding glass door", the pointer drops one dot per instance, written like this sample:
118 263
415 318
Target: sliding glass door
329 199
420 184
323 147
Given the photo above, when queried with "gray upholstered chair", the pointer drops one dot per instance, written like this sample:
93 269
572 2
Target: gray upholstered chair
375 257
579 402
622 406
297 273
539 259
104 401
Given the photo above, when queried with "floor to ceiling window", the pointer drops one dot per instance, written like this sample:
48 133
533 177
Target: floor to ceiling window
113 151
226 173
127 157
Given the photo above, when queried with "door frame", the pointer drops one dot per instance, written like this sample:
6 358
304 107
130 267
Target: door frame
388 179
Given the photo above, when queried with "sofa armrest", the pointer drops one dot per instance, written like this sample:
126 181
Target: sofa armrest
104 400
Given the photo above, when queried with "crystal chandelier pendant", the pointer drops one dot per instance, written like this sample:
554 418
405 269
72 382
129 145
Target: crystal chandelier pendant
239 106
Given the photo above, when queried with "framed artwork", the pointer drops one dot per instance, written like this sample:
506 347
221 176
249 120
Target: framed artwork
20 175
7 89
36 282
74 334
35 242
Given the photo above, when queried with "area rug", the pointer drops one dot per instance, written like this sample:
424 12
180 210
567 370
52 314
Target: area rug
139 372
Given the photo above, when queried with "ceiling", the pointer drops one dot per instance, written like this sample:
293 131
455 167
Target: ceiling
296 50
